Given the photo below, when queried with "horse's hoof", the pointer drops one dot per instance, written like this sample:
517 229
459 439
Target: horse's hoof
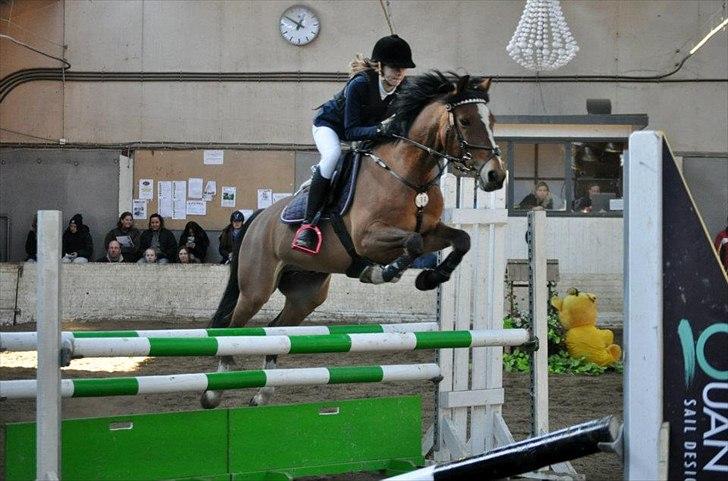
211 399
428 279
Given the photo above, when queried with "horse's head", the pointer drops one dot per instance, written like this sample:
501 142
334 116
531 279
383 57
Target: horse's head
468 133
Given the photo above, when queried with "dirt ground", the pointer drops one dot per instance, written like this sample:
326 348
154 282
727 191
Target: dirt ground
572 399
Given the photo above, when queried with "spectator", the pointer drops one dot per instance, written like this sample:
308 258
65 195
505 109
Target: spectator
150 257
721 245
78 247
31 242
195 239
584 204
231 234
184 256
127 235
159 239
540 199
113 253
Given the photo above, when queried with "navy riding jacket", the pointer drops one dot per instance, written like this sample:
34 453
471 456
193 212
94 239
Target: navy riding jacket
355 112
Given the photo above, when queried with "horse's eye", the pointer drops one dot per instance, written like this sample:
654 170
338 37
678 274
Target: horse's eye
464 122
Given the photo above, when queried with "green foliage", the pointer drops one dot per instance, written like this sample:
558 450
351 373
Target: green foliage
559 360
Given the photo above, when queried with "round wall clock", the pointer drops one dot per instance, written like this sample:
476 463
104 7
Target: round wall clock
299 25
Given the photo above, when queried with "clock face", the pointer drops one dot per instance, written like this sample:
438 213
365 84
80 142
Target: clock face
299 25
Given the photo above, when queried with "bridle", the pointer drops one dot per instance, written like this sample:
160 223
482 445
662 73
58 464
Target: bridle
462 162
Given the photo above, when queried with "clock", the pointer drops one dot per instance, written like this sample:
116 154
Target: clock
299 25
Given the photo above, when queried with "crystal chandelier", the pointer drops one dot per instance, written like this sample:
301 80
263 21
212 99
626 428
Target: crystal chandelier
542 40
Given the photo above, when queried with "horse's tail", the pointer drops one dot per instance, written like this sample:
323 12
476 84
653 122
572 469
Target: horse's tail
224 311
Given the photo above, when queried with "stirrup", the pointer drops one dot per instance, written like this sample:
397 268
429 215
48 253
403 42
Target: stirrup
301 248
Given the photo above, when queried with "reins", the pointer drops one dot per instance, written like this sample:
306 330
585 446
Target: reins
443 159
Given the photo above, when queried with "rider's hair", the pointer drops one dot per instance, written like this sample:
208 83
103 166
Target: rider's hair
361 64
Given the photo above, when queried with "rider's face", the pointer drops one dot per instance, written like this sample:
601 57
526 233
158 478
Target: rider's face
393 75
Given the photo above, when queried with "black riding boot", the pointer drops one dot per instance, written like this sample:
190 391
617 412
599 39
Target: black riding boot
306 237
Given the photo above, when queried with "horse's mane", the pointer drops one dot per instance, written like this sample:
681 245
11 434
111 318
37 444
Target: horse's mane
420 91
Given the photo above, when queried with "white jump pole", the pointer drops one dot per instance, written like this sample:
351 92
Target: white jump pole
48 313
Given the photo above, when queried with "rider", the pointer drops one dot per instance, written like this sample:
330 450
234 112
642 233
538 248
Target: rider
358 112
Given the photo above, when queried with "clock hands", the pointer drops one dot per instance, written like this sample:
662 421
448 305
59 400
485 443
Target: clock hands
299 25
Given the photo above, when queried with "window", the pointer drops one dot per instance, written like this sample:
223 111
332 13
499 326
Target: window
596 170
539 175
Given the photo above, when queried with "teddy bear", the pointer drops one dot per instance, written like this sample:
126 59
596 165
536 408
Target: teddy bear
578 314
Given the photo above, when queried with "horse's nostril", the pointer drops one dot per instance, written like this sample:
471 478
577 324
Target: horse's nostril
493 176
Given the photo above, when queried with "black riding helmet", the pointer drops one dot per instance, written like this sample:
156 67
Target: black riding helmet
393 51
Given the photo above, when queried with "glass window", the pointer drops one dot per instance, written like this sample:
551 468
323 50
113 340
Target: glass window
596 170
539 176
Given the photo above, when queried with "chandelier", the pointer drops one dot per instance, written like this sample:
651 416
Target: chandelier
542 40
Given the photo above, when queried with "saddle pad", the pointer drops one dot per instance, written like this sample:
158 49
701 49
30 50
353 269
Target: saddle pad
343 186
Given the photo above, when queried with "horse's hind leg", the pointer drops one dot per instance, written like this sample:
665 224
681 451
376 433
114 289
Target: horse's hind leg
304 292
253 295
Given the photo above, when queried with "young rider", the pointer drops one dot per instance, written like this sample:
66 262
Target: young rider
358 112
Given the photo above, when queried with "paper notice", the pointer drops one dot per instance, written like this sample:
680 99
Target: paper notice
247 213
164 198
210 190
213 157
139 208
265 198
228 197
179 197
194 188
196 207
146 189
280 195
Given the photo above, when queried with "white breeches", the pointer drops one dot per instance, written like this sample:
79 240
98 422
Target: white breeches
329 146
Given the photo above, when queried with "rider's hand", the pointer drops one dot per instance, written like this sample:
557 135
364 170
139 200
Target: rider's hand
386 127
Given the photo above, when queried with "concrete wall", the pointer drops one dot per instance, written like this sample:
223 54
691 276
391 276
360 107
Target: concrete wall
629 38
146 292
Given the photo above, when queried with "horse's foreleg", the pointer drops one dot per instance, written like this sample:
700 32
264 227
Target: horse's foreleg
439 238
390 238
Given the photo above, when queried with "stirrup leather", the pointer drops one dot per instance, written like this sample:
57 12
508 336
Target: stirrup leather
301 248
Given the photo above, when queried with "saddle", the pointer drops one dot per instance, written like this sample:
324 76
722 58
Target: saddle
341 195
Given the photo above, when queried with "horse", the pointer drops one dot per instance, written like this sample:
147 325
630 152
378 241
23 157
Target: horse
393 219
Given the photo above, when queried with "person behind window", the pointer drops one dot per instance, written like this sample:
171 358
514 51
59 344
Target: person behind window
31 241
127 236
721 245
78 247
584 204
184 256
113 253
539 199
229 235
195 239
159 239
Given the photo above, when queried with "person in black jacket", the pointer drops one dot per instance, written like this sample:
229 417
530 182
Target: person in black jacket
358 112
231 234
113 253
159 239
195 239
127 235
31 242
78 247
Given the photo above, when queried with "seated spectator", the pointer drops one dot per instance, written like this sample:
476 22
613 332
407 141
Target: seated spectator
195 239
161 240
78 247
31 242
150 257
127 235
184 256
540 199
231 234
113 253
584 204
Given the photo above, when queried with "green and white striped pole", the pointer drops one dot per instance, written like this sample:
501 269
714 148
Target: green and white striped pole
131 386
27 341
271 345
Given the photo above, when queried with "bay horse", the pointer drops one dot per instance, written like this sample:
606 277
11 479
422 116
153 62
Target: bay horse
393 219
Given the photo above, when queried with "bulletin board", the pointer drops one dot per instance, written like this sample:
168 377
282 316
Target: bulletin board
245 170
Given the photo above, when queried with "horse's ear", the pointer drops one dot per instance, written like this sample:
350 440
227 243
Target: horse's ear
462 84
484 86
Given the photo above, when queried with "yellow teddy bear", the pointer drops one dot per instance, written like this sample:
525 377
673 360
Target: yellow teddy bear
578 315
